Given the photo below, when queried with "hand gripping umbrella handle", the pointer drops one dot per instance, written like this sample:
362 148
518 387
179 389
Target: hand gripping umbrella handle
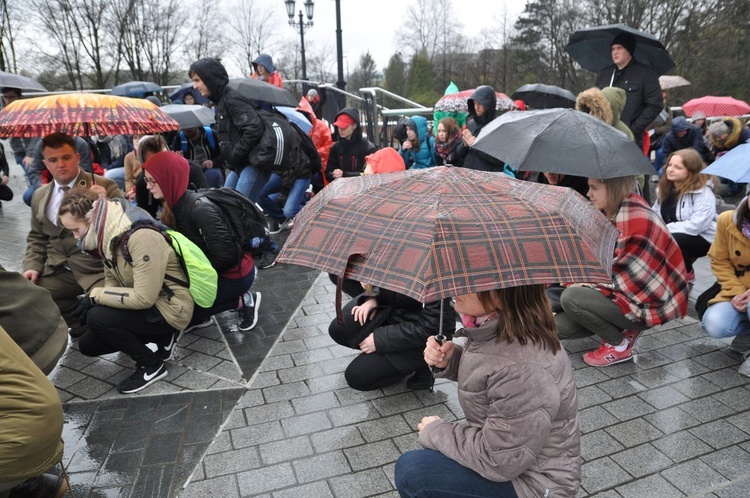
440 338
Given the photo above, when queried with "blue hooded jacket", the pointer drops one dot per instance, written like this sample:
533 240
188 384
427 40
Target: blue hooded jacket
424 157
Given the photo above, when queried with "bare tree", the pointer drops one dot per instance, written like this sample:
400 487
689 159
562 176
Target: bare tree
253 31
207 37
8 18
54 17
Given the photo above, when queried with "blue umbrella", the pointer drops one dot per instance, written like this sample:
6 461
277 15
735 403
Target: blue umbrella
295 117
178 96
136 89
734 165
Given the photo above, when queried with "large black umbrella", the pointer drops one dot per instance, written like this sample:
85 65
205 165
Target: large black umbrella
178 95
591 48
190 116
261 91
136 89
539 96
562 141
23 83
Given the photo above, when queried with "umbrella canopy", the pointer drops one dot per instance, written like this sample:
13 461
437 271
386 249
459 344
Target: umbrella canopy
458 102
83 114
295 117
667 82
190 116
440 232
734 165
591 48
261 91
21 82
716 106
136 89
178 95
562 141
539 96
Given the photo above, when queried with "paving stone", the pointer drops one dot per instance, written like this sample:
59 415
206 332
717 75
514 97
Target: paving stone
295 374
320 341
361 484
628 408
200 361
741 421
598 444
634 432
353 414
195 381
253 435
653 485
739 489
102 369
383 428
271 411
594 418
685 369
642 460
649 359
285 392
621 387
276 363
707 409
337 365
692 477
306 424
738 398
89 388
314 356
731 462
678 352
350 396
716 360
590 396
286 449
154 481
587 376
315 402
727 377
225 486
654 377
266 379
231 462
663 397
321 466
208 347
407 442
326 383
671 420
601 474
336 439
222 443
719 434
120 469
316 489
372 455
414 417
266 479
681 446
287 348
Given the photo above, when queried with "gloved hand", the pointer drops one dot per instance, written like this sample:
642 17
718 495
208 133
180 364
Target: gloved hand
85 304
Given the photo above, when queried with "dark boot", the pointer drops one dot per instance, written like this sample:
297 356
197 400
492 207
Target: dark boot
421 380
43 486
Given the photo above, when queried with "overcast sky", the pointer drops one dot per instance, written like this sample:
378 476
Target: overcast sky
372 24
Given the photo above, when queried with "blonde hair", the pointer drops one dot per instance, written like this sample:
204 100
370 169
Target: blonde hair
526 315
694 164
77 202
618 189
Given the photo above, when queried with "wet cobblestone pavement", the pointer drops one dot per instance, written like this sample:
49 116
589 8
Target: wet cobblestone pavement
268 413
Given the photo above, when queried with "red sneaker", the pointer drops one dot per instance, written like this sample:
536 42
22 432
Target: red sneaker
607 355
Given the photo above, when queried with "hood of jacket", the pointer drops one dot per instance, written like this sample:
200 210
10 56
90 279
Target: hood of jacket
616 97
735 134
680 124
594 102
266 61
213 74
305 107
171 172
486 96
420 123
354 114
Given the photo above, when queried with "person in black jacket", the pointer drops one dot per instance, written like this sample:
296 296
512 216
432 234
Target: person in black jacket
391 330
6 193
239 126
203 222
201 146
640 82
684 135
482 109
347 156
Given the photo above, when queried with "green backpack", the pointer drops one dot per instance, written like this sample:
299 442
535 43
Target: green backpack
202 278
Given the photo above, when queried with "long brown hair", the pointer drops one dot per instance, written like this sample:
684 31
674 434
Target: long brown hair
525 315
450 125
693 163
618 189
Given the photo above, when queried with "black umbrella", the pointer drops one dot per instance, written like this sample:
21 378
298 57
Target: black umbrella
190 116
178 95
136 89
23 83
591 48
539 96
562 141
261 91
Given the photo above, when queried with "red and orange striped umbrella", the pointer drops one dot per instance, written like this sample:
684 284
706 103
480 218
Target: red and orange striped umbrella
83 114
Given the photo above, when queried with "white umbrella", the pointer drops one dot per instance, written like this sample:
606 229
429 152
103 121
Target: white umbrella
672 81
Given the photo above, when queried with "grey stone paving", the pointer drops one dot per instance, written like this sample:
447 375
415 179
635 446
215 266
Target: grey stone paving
271 415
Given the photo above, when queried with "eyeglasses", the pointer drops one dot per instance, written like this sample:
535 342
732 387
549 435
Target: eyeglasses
151 181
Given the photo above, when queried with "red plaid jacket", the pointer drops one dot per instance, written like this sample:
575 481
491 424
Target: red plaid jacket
648 275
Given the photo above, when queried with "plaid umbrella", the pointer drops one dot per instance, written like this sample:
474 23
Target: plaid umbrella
441 232
83 114
716 106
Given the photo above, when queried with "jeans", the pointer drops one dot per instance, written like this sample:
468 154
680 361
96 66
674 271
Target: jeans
429 473
249 182
117 175
722 320
228 293
30 193
293 204
659 160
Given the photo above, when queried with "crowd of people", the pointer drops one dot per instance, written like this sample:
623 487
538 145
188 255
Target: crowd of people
102 209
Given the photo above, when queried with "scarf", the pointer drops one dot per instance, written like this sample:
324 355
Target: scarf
446 148
746 228
108 220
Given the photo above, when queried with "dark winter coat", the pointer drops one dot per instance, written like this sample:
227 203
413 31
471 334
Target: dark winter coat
348 155
738 134
473 159
425 156
693 138
239 127
644 102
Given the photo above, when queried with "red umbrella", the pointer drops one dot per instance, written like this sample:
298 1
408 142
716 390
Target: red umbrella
716 106
457 102
441 232
83 114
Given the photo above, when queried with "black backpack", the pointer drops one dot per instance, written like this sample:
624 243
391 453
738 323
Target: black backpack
245 219
308 149
276 148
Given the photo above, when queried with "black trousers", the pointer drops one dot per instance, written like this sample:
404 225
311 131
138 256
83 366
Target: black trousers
111 330
369 371
692 247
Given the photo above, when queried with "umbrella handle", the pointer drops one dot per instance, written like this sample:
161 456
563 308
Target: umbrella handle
440 339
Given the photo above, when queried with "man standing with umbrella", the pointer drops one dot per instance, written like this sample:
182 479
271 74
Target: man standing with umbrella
644 102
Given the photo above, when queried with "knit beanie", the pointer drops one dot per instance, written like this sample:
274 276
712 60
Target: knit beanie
626 40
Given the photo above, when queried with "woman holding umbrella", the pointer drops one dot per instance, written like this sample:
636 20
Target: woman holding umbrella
516 388
649 285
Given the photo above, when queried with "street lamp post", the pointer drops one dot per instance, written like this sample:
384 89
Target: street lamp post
309 7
